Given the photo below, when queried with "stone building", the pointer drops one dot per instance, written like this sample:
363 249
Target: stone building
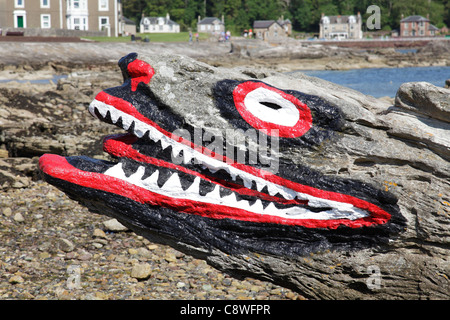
211 25
417 26
340 27
93 15
269 30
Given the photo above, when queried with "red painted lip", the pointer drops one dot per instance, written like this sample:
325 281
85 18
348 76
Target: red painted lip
58 167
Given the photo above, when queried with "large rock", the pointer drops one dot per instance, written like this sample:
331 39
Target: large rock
358 147
425 99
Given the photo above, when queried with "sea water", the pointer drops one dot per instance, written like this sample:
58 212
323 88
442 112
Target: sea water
382 82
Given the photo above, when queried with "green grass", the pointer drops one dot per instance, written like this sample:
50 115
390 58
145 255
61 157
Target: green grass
154 37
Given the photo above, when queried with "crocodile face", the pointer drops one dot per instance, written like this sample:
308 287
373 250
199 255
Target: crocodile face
177 182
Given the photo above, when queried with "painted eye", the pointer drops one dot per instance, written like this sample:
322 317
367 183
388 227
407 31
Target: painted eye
271 110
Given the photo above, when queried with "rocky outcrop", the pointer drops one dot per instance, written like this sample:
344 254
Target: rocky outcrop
42 118
401 149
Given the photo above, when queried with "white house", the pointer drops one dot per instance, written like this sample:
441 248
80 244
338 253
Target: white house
158 25
341 27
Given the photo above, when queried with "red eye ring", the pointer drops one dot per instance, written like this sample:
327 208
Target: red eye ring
292 120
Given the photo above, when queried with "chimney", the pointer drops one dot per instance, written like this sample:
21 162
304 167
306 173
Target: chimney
223 19
199 18
428 16
167 16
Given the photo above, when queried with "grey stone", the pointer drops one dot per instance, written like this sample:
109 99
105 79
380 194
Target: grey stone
141 271
425 99
114 225
66 245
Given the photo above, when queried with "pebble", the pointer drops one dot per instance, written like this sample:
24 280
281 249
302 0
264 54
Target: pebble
16 279
66 245
99 233
7 212
114 225
141 271
18 217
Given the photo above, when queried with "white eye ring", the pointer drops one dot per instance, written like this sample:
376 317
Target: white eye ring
286 114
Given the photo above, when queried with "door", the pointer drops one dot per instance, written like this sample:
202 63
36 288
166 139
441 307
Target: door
19 21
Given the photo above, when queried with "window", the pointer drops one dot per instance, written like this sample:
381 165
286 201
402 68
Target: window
77 4
20 3
104 23
45 3
103 5
45 21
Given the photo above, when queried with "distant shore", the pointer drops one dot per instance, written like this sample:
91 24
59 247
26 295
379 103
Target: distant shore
288 56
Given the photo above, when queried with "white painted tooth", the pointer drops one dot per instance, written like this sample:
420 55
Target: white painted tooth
114 115
139 129
257 206
137 176
244 204
152 181
285 194
116 171
195 187
187 156
173 184
212 169
290 195
272 189
215 194
102 110
260 185
247 182
126 122
164 143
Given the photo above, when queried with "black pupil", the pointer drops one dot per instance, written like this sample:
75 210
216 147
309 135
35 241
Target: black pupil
271 105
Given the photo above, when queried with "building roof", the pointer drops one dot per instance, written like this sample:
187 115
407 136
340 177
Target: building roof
341 19
432 28
414 19
210 20
127 21
263 24
283 22
155 20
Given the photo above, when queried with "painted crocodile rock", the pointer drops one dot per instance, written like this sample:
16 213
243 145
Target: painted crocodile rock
173 185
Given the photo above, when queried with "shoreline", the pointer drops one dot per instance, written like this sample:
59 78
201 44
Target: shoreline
290 56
